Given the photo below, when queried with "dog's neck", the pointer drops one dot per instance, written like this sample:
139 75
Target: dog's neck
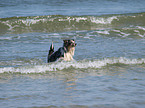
69 53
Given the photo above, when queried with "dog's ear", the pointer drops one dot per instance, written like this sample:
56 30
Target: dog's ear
65 41
73 39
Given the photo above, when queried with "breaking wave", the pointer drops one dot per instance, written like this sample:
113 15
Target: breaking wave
84 64
55 23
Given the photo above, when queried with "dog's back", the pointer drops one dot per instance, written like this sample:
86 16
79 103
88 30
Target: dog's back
53 56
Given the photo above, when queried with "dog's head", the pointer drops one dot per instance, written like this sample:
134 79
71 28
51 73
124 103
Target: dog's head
69 44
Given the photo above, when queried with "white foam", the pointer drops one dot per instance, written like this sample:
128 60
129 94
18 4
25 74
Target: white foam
103 32
77 19
5 38
116 31
141 35
80 18
124 34
64 65
142 28
102 20
28 22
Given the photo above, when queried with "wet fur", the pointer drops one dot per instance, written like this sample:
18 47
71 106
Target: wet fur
69 55
66 52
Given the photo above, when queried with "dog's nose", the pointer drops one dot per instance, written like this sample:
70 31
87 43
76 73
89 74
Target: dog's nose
74 44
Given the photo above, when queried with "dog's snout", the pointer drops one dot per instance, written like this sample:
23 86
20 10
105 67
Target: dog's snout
74 44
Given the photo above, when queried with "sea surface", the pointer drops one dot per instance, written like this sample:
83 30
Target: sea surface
108 70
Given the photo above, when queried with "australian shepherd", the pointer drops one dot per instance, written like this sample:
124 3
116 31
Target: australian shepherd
66 52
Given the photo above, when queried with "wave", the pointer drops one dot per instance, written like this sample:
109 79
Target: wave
59 23
84 64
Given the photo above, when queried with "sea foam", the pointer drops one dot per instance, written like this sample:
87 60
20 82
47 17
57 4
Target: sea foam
84 64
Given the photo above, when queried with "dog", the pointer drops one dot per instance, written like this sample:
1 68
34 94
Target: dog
66 52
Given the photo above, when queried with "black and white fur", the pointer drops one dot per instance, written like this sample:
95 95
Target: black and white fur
66 52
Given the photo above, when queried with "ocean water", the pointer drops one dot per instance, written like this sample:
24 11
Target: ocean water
108 70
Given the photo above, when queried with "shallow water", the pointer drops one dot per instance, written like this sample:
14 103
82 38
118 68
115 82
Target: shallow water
109 63
111 86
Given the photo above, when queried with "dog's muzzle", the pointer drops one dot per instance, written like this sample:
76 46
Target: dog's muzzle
74 45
